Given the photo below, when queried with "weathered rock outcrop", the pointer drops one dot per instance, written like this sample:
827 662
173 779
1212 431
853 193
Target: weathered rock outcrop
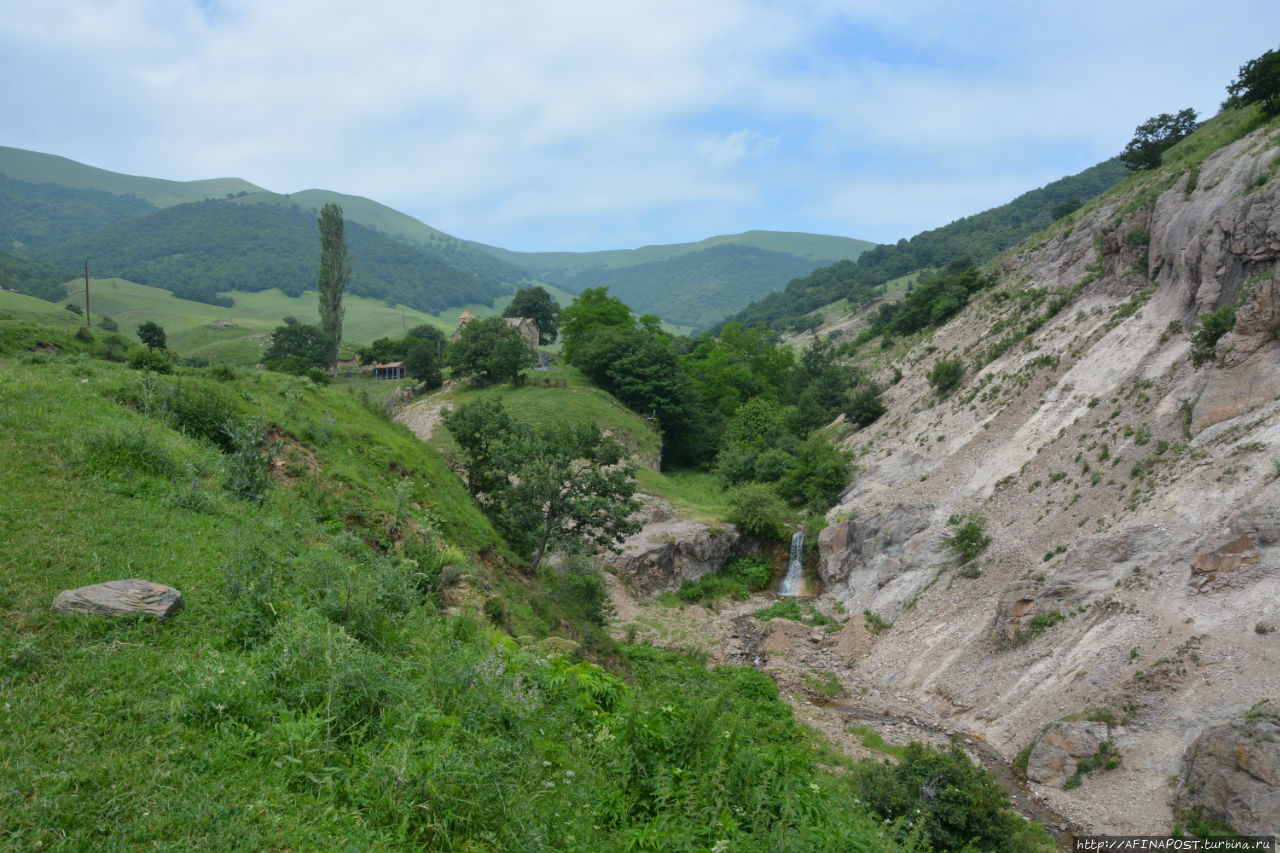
1057 753
881 559
116 598
666 553
1231 774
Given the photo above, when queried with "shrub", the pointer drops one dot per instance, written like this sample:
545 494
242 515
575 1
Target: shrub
866 407
154 360
959 805
1211 327
946 374
757 511
246 470
969 536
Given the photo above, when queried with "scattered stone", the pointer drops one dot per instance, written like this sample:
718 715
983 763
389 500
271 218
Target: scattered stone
116 598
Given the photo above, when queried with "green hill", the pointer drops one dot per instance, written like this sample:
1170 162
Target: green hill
690 284
24 275
35 167
979 238
393 223
202 249
44 213
699 288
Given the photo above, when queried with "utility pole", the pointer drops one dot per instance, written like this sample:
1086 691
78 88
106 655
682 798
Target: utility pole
87 322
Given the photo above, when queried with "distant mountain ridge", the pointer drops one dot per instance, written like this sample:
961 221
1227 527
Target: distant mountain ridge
200 239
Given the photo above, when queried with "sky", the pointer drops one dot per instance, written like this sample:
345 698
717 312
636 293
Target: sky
554 125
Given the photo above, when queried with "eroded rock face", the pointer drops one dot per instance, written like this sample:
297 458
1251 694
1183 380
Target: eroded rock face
879 560
667 553
115 598
1231 773
1057 753
1231 556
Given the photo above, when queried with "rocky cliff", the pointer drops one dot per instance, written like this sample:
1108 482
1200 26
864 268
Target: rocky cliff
1133 499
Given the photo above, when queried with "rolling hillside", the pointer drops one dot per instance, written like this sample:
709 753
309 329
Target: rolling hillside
691 284
203 249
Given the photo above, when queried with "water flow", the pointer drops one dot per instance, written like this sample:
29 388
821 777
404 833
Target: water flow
793 583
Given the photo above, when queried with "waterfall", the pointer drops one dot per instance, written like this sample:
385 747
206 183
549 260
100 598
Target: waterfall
793 583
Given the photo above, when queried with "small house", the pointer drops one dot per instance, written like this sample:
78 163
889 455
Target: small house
390 370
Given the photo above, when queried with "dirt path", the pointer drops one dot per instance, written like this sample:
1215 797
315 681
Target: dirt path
422 416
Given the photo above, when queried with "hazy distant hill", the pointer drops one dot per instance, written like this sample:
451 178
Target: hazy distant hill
693 284
201 249
699 288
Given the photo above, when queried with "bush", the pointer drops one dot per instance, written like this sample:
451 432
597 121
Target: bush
968 537
155 360
757 511
1211 327
946 374
866 406
738 578
958 804
246 470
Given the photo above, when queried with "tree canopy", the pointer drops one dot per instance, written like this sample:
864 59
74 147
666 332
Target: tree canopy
1155 136
151 334
1258 83
593 309
565 487
536 304
296 348
489 351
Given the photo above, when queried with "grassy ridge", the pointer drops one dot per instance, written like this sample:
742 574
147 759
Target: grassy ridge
36 167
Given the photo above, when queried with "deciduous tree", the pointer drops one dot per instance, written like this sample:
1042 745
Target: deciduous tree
1258 83
489 351
151 334
536 304
335 274
1155 136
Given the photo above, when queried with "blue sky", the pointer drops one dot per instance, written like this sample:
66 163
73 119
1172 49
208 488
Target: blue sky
567 125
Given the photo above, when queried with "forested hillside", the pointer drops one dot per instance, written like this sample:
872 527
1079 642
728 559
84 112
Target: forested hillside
979 238
31 277
205 248
44 213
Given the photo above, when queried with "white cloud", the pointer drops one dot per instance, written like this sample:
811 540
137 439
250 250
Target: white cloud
573 124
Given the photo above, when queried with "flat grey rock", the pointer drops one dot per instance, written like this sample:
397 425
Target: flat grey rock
115 598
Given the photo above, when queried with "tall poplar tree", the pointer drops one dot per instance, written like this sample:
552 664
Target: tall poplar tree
335 272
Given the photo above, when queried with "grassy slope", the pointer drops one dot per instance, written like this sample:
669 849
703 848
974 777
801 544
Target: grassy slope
49 168
543 405
188 326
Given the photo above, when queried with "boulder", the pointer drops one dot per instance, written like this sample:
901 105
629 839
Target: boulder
1231 774
115 598
664 554
1055 755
